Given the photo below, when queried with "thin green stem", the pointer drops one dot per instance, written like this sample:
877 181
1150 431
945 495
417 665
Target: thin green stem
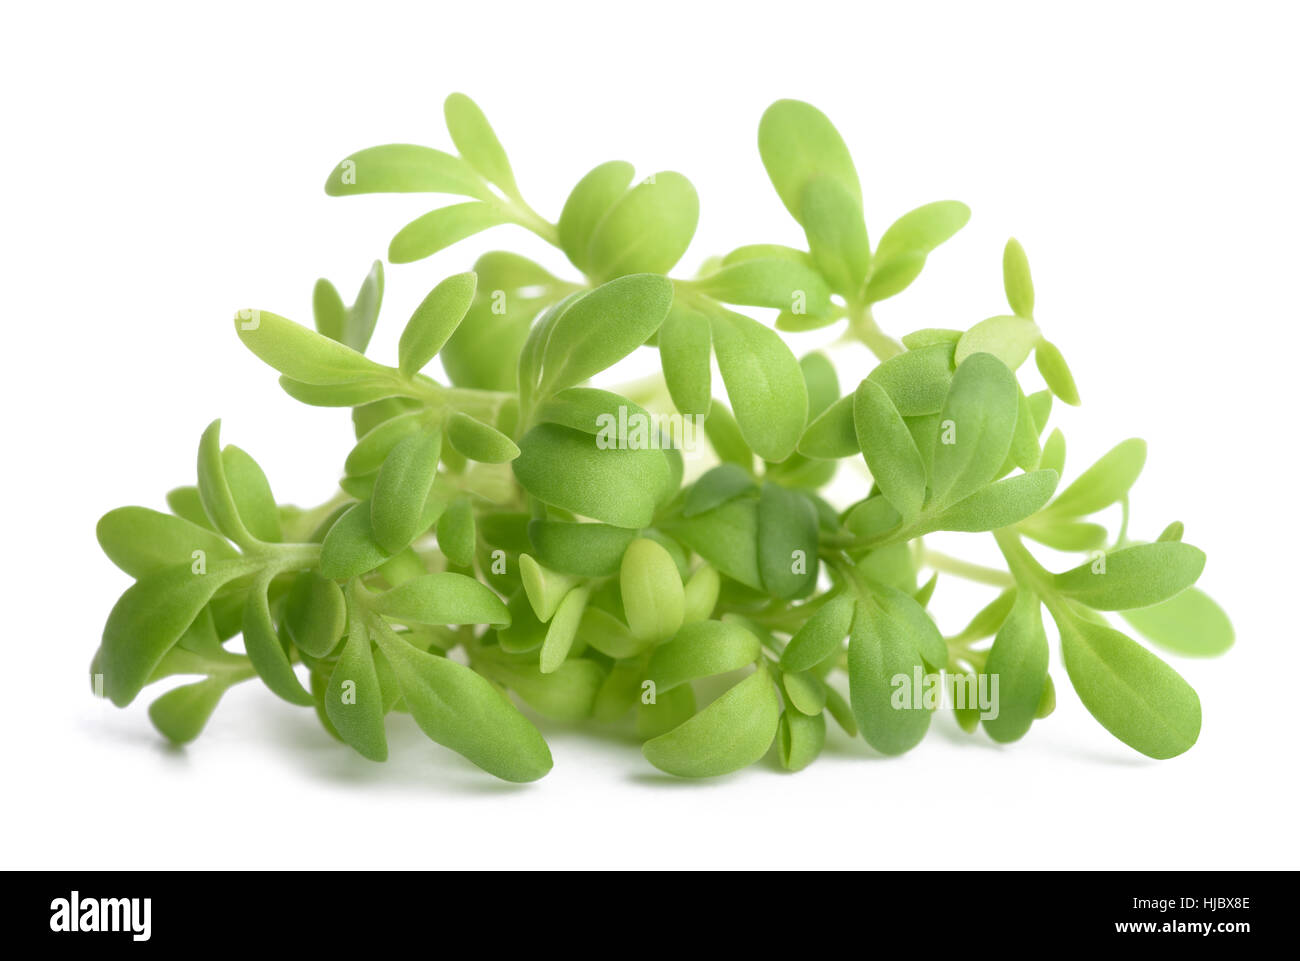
863 327
969 570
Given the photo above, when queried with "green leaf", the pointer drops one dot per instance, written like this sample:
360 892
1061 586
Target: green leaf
565 468
805 693
1018 659
443 598
181 714
1009 339
833 434
685 347
1189 623
1000 504
252 494
545 589
315 614
434 321
1051 364
364 312
1064 535
354 700
702 589
603 326
702 649
463 711
820 636
977 424
477 143
733 732
909 620
567 694
787 542
725 438
764 383
562 630
880 649
1016 279
584 550
769 282
1133 694
403 168
265 649
653 598
143 542
350 548
328 311
646 230
887 446
918 380
402 489
800 739
1104 483
303 355
339 395
1025 451
931 337
837 235
905 245
1174 532
798 144
1054 452
457 538
605 633
726 537
214 488
479 441
441 228
716 486
823 383
378 442
587 205
1130 577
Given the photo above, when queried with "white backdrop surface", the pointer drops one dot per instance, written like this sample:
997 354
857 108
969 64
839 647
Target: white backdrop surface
165 165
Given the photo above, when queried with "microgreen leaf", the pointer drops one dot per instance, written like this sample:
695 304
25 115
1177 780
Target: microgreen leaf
564 467
716 486
143 542
462 711
702 649
314 614
430 233
1018 659
182 712
353 699
833 434
880 649
300 353
402 489
787 542
820 636
603 326
888 449
647 229
1104 483
585 550
1189 623
653 597
587 205
1051 364
977 423
434 321
837 235
479 441
905 246
1130 577
251 492
798 143
800 739
1009 339
477 143
764 383
456 533
445 598
403 168
562 630
917 380
685 346
1016 279
769 282
265 648
1000 504
1131 692
732 732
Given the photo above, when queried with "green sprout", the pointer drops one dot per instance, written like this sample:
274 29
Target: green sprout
517 536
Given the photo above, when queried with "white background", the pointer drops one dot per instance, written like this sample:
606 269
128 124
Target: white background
165 168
